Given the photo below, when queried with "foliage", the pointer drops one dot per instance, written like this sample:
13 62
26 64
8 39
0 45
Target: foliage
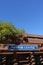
8 32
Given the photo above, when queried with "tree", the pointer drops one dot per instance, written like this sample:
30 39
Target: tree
9 33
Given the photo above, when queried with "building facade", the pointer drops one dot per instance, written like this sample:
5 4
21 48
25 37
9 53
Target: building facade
28 52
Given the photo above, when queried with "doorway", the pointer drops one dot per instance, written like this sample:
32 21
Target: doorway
10 59
39 59
6 59
23 59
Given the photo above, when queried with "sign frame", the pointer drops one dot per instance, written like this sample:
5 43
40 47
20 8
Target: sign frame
22 47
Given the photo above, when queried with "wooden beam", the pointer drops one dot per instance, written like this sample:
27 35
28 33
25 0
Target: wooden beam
6 53
29 52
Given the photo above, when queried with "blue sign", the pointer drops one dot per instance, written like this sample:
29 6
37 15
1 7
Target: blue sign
22 48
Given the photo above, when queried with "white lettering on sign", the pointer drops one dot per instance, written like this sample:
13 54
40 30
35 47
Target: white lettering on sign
23 47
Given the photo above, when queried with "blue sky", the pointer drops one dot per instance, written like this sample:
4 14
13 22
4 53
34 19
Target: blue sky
26 14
